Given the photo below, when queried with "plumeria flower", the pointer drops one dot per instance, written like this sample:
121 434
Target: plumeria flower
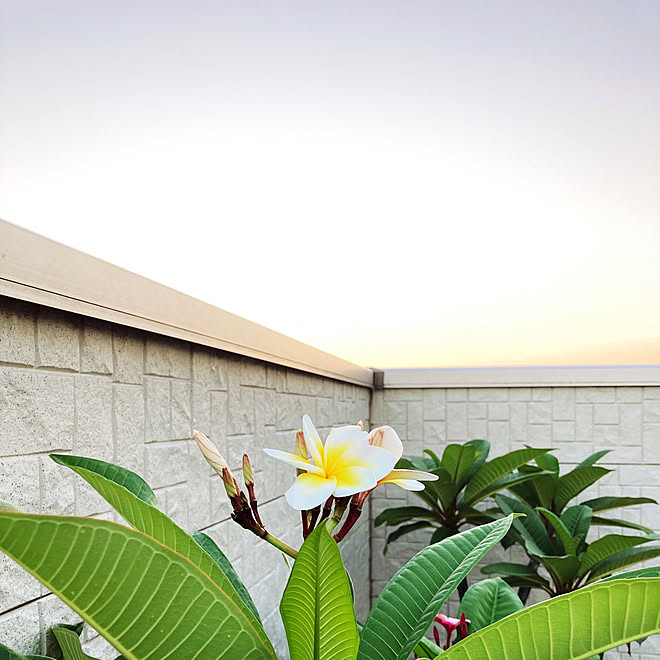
346 465
387 438
450 624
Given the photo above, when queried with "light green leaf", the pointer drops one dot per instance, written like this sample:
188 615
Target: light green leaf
650 571
406 607
70 644
610 502
497 468
615 522
211 548
606 547
564 536
108 479
317 608
577 625
575 482
489 601
577 520
623 559
146 599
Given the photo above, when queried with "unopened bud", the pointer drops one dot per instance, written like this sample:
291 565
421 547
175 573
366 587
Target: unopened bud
301 447
248 475
210 452
361 425
230 483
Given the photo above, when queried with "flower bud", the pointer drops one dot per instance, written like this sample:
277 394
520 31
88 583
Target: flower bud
361 425
248 475
210 452
230 483
301 447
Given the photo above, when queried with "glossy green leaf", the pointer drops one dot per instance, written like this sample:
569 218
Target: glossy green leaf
406 607
509 568
108 479
606 547
607 503
483 449
615 522
146 599
650 571
70 644
402 514
531 583
590 460
623 559
211 548
440 534
403 530
577 625
497 468
565 538
548 462
8 654
509 481
457 461
434 457
563 569
317 607
489 601
573 483
529 527
577 520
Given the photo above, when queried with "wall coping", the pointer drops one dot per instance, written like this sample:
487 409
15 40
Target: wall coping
571 376
42 271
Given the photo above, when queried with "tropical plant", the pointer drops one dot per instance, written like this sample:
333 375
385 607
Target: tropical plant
554 535
157 591
465 479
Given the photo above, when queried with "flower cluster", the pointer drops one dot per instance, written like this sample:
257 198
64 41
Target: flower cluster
344 470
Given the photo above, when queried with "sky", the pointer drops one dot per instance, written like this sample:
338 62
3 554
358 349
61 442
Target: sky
400 183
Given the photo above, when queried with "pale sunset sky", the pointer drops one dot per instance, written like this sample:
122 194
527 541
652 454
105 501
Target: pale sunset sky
409 183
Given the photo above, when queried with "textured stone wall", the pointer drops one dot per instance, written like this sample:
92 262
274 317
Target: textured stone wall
576 421
74 385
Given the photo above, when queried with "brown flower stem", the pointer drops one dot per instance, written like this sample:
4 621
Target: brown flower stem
354 512
253 503
327 508
313 517
305 523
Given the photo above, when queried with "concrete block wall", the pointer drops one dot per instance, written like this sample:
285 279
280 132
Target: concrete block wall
576 421
71 384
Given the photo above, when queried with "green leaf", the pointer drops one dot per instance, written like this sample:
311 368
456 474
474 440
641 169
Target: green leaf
530 527
650 571
402 514
497 468
605 547
443 490
606 503
508 568
6 506
457 461
211 548
483 449
615 522
403 530
590 460
575 482
406 607
434 457
143 597
317 608
577 520
489 601
441 534
563 569
623 559
508 481
136 510
577 625
70 644
564 536
532 583
548 462
8 654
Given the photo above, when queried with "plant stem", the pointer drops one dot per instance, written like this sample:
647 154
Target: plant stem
280 545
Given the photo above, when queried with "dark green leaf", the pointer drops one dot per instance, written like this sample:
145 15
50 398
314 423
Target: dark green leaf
70 644
440 534
590 460
457 461
402 514
604 548
434 457
577 520
483 449
615 522
569 546
509 568
530 527
508 481
575 482
489 601
403 530
563 569
607 503
8 654
623 559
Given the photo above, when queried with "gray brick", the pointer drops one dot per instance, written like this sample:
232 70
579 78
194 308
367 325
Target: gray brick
539 412
58 340
563 404
17 332
457 422
128 356
541 394
563 432
498 411
93 434
157 394
253 373
520 394
478 410
19 629
167 357
57 485
181 416
652 410
488 394
629 394
37 411
167 463
456 394
129 427
415 421
435 402
96 347
606 413
595 395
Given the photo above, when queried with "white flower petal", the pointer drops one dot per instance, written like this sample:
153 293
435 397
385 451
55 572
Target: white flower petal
309 491
294 460
353 480
342 440
408 484
376 459
387 438
411 474
313 441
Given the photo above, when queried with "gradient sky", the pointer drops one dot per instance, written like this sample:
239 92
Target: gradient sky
399 183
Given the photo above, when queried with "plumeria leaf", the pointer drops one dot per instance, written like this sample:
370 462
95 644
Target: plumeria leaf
70 644
497 468
317 607
401 514
508 568
575 482
623 559
594 458
406 607
563 569
625 524
530 527
434 457
440 534
403 530
650 571
606 547
577 625
457 461
607 503
509 481
489 601
568 543
577 520
8 654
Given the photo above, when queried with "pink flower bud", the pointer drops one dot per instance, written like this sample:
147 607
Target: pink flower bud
248 475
